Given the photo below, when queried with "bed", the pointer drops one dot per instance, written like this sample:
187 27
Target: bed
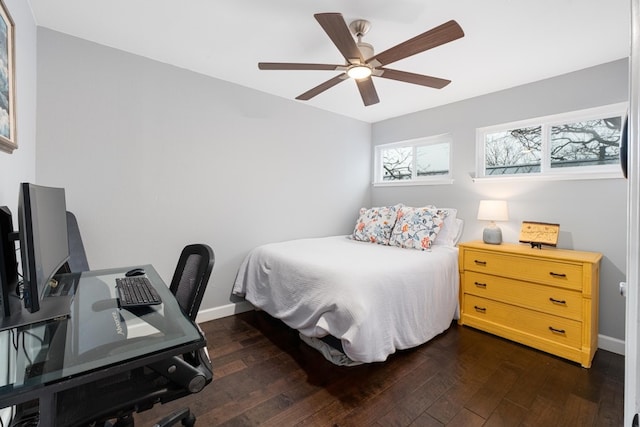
374 293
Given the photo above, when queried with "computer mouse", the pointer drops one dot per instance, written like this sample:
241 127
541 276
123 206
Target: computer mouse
135 272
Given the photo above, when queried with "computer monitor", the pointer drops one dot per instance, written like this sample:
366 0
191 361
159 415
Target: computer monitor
8 260
44 245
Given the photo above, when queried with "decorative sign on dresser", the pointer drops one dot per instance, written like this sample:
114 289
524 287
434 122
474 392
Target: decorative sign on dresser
546 299
539 233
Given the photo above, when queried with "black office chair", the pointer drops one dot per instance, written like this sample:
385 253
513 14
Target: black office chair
188 285
77 262
191 277
78 258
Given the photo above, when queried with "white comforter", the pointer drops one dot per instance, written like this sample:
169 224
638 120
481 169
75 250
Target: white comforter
376 299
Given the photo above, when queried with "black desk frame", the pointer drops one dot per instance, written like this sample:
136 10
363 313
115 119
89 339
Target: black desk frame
47 393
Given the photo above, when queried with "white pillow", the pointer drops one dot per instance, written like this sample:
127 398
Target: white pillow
451 230
460 224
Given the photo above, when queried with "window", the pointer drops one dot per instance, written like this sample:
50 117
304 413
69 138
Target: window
581 144
418 161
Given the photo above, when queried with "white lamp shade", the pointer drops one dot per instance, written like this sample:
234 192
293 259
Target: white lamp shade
493 210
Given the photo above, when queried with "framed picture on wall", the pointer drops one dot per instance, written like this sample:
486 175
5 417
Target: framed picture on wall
7 82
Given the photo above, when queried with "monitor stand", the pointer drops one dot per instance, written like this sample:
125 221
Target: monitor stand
51 308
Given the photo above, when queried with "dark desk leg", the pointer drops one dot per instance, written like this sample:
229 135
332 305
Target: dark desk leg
48 410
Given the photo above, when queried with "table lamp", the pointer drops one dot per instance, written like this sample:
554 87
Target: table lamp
492 210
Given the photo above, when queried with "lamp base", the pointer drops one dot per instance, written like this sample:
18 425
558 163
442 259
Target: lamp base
492 235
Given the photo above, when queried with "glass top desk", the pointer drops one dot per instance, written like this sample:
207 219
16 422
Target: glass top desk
96 341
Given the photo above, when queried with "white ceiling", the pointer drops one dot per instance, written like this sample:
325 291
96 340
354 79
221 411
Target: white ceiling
507 42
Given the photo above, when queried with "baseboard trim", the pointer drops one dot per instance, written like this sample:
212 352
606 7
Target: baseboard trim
611 344
223 311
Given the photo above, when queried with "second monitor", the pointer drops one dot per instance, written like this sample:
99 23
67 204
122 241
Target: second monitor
44 244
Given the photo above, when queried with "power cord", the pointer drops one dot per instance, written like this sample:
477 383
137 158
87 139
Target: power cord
24 350
14 339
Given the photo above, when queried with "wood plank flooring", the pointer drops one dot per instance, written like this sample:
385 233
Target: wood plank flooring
264 375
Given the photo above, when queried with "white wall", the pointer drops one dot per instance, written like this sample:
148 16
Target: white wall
154 157
591 213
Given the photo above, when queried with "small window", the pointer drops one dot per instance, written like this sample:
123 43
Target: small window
587 143
513 151
581 144
418 161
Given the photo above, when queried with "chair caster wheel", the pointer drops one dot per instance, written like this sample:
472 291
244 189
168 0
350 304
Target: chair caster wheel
190 421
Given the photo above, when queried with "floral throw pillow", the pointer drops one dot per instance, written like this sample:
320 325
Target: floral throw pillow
375 224
417 228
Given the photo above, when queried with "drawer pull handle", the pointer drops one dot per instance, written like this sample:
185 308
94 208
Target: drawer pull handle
557 331
480 309
557 274
478 262
558 301
480 285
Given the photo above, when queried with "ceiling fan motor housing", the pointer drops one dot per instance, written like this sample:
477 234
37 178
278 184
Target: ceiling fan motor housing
366 49
359 28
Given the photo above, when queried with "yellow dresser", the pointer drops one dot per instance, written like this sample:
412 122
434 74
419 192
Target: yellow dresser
544 298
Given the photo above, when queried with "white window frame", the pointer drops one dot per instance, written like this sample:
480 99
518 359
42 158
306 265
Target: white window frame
547 122
414 144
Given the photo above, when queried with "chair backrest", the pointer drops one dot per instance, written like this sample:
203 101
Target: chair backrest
191 277
78 258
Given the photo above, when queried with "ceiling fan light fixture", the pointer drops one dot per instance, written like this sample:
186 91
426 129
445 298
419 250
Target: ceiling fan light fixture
359 72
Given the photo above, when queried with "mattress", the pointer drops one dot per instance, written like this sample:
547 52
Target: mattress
375 299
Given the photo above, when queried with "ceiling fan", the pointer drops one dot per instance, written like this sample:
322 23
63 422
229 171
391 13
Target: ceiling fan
361 63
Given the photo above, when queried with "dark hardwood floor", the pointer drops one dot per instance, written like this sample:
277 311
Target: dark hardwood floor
264 375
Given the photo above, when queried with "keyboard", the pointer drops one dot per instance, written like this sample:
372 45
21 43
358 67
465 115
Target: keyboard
136 291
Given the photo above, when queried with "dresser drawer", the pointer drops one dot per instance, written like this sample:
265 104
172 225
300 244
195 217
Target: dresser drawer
557 301
555 273
545 326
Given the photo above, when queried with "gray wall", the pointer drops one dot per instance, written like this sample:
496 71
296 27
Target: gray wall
591 213
154 157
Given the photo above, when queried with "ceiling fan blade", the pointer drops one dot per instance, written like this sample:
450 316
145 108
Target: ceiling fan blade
367 91
338 31
416 79
321 87
295 66
437 36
